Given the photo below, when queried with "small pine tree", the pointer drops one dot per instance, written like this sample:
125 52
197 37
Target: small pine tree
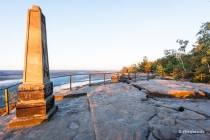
160 70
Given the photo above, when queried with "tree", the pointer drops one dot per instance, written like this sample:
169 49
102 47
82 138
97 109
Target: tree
133 68
194 64
181 52
177 72
145 65
169 67
183 58
203 47
160 70
154 65
124 70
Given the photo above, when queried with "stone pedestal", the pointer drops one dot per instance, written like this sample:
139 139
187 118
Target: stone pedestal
34 99
35 95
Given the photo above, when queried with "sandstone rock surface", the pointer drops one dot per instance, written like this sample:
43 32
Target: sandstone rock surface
71 121
170 88
116 111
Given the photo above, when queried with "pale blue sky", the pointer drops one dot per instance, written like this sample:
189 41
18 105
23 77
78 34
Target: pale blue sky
101 34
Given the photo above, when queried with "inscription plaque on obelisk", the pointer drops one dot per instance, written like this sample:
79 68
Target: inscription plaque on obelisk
35 99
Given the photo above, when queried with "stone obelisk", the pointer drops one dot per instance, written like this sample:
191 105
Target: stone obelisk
35 99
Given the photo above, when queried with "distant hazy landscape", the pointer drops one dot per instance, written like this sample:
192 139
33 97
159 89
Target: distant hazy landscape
12 77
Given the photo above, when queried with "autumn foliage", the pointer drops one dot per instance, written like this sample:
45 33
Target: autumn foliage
193 66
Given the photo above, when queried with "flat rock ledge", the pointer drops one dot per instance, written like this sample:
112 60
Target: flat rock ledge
120 111
177 89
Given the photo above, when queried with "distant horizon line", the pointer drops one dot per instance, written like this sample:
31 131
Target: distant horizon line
61 70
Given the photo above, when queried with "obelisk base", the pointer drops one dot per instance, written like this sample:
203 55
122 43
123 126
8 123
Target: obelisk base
34 107
30 121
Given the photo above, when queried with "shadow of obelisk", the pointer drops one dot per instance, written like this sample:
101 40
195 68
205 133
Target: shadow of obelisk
35 99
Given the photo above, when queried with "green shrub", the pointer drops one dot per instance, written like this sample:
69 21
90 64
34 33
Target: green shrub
205 78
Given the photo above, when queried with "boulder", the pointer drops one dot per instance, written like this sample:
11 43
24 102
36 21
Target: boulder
115 78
